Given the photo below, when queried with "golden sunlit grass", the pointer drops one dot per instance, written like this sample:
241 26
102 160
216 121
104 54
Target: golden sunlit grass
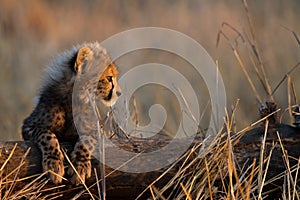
210 173
33 185
215 173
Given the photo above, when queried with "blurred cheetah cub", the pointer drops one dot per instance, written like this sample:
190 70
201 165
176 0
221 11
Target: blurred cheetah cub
52 120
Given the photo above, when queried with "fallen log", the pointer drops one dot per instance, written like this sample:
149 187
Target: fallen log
123 185
26 158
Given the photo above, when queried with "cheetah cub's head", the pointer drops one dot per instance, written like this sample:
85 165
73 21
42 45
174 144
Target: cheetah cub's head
108 87
105 85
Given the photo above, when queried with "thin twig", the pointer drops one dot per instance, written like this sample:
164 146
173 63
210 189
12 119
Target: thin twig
294 93
285 76
97 181
289 99
295 183
294 34
241 64
101 138
74 169
257 52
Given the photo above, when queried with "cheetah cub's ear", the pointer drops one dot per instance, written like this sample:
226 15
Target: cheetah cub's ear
82 55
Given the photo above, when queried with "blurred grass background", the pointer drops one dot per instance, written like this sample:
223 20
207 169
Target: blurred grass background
31 32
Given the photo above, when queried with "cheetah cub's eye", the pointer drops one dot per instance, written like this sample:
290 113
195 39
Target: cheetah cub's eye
109 78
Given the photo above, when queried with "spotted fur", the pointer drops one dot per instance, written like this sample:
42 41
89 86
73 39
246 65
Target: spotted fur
52 120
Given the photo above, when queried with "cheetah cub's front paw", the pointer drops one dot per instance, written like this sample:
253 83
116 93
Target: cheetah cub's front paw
81 159
83 169
56 165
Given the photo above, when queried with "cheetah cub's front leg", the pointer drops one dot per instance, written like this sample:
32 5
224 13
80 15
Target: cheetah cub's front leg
81 159
52 156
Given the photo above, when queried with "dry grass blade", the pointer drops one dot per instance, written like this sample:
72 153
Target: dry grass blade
288 167
157 192
233 176
250 179
199 178
2 168
58 196
31 190
261 161
297 38
113 171
152 193
17 172
52 195
294 34
232 28
188 196
186 105
257 122
257 52
296 178
135 114
268 160
97 181
253 49
241 64
26 188
231 120
199 174
285 76
34 191
229 160
185 156
289 99
208 181
187 163
9 157
294 93
82 181
101 139
236 54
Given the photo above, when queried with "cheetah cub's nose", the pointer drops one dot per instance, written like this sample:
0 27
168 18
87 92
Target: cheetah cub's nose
118 93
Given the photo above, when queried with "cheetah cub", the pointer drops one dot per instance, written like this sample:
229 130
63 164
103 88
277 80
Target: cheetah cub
53 118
